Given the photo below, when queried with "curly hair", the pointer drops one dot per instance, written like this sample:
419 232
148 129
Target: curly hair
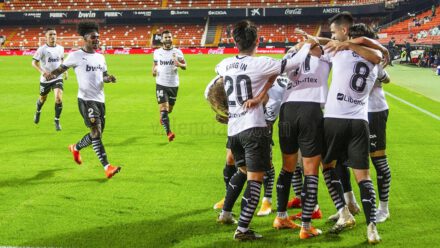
87 27
217 98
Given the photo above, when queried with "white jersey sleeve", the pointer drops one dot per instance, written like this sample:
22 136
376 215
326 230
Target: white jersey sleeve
294 61
38 54
377 101
72 60
276 94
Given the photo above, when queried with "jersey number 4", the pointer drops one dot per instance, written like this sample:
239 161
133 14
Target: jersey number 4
359 79
242 87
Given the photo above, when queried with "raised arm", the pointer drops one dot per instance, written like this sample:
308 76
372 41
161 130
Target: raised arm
372 55
371 43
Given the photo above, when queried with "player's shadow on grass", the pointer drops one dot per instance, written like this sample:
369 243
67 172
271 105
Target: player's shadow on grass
163 232
40 176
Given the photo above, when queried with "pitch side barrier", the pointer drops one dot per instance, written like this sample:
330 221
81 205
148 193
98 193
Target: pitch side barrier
151 50
194 13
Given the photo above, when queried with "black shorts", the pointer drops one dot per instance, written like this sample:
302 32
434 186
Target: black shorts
300 127
348 138
166 94
46 87
251 148
228 144
377 121
92 112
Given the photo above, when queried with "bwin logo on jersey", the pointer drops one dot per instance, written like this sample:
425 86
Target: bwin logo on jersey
94 68
166 62
53 60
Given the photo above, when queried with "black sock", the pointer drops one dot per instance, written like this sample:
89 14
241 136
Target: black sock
39 105
234 189
309 197
165 121
283 190
98 147
269 179
228 172
58 109
343 173
334 187
368 197
84 142
249 203
297 181
383 176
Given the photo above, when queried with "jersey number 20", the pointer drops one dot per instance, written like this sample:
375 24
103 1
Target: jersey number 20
242 87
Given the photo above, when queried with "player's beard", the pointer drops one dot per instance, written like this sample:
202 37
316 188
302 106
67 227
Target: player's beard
168 44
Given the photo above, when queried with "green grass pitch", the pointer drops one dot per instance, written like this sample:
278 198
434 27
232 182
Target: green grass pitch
164 195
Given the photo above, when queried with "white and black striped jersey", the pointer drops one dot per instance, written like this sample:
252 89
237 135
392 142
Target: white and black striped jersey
352 80
166 70
245 77
50 58
377 101
276 95
89 69
309 82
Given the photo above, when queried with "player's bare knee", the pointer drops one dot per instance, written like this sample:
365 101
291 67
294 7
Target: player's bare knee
43 98
379 153
361 174
290 161
243 169
229 157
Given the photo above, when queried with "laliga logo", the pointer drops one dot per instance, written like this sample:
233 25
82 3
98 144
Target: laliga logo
89 14
296 11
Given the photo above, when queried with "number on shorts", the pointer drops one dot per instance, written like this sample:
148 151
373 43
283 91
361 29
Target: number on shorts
90 110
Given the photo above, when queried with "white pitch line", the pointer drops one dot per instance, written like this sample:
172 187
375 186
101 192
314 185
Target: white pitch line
414 106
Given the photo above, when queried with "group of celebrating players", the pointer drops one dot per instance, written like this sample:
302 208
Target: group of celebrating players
336 126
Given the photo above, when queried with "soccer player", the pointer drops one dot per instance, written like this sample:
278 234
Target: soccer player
246 76
346 129
46 59
377 119
166 62
218 100
91 70
300 127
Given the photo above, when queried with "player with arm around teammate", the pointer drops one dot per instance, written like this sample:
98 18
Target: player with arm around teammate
246 76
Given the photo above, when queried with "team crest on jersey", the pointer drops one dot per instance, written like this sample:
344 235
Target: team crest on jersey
92 120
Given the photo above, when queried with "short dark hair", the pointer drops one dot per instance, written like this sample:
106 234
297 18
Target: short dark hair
343 18
87 27
361 29
245 35
49 29
166 32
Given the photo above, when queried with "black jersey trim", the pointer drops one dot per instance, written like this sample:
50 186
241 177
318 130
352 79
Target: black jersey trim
87 52
238 57
283 65
64 67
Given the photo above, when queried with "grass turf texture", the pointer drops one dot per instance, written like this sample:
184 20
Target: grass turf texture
164 195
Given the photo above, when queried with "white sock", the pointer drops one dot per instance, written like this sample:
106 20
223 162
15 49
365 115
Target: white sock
306 225
226 213
242 229
383 206
267 199
282 215
316 207
349 197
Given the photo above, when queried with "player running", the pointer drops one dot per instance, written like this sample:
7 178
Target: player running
46 59
91 70
167 60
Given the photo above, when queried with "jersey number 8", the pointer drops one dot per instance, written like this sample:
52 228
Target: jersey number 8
359 79
242 87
